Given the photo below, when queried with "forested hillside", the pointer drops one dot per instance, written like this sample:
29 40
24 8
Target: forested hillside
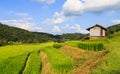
13 35
112 29
10 35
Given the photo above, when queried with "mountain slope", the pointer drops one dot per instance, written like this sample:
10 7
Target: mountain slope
112 29
10 35
13 34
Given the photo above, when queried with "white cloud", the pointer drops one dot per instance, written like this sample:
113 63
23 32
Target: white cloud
56 29
68 27
101 5
37 29
57 18
75 8
79 30
117 21
18 23
27 25
72 7
24 22
46 1
74 28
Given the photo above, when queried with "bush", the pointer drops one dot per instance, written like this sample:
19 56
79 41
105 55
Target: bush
57 45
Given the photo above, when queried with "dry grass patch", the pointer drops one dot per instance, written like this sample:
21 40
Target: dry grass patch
89 65
46 65
84 61
78 55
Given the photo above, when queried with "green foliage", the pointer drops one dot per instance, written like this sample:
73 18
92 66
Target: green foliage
4 63
15 50
88 45
112 29
33 64
13 35
73 43
60 62
91 46
112 62
58 45
72 36
13 58
15 66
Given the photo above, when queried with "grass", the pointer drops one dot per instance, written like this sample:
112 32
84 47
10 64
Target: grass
4 63
33 64
15 66
46 65
60 62
78 55
95 46
58 45
88 45
112 62
15 50
13 58
73 43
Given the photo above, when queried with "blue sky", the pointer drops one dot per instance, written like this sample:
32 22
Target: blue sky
59 16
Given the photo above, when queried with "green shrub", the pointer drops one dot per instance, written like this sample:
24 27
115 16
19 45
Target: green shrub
57 45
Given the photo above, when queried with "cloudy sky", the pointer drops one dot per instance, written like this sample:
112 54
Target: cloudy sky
59 16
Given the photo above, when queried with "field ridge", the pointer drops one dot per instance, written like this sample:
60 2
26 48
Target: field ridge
25 64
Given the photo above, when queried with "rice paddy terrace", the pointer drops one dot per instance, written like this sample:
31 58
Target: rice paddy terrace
72 57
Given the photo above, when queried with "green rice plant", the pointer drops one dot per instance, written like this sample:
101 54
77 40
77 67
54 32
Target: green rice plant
96 46
73 43
16 65
4 63
88 45
15 50
58 45
60 62
33 64
13 55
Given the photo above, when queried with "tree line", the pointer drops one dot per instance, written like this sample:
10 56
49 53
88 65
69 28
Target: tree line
13 35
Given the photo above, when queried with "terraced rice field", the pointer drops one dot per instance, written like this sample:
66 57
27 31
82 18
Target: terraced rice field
43 59
26 59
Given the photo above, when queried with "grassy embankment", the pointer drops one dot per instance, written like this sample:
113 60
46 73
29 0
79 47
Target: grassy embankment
112 63
87 57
